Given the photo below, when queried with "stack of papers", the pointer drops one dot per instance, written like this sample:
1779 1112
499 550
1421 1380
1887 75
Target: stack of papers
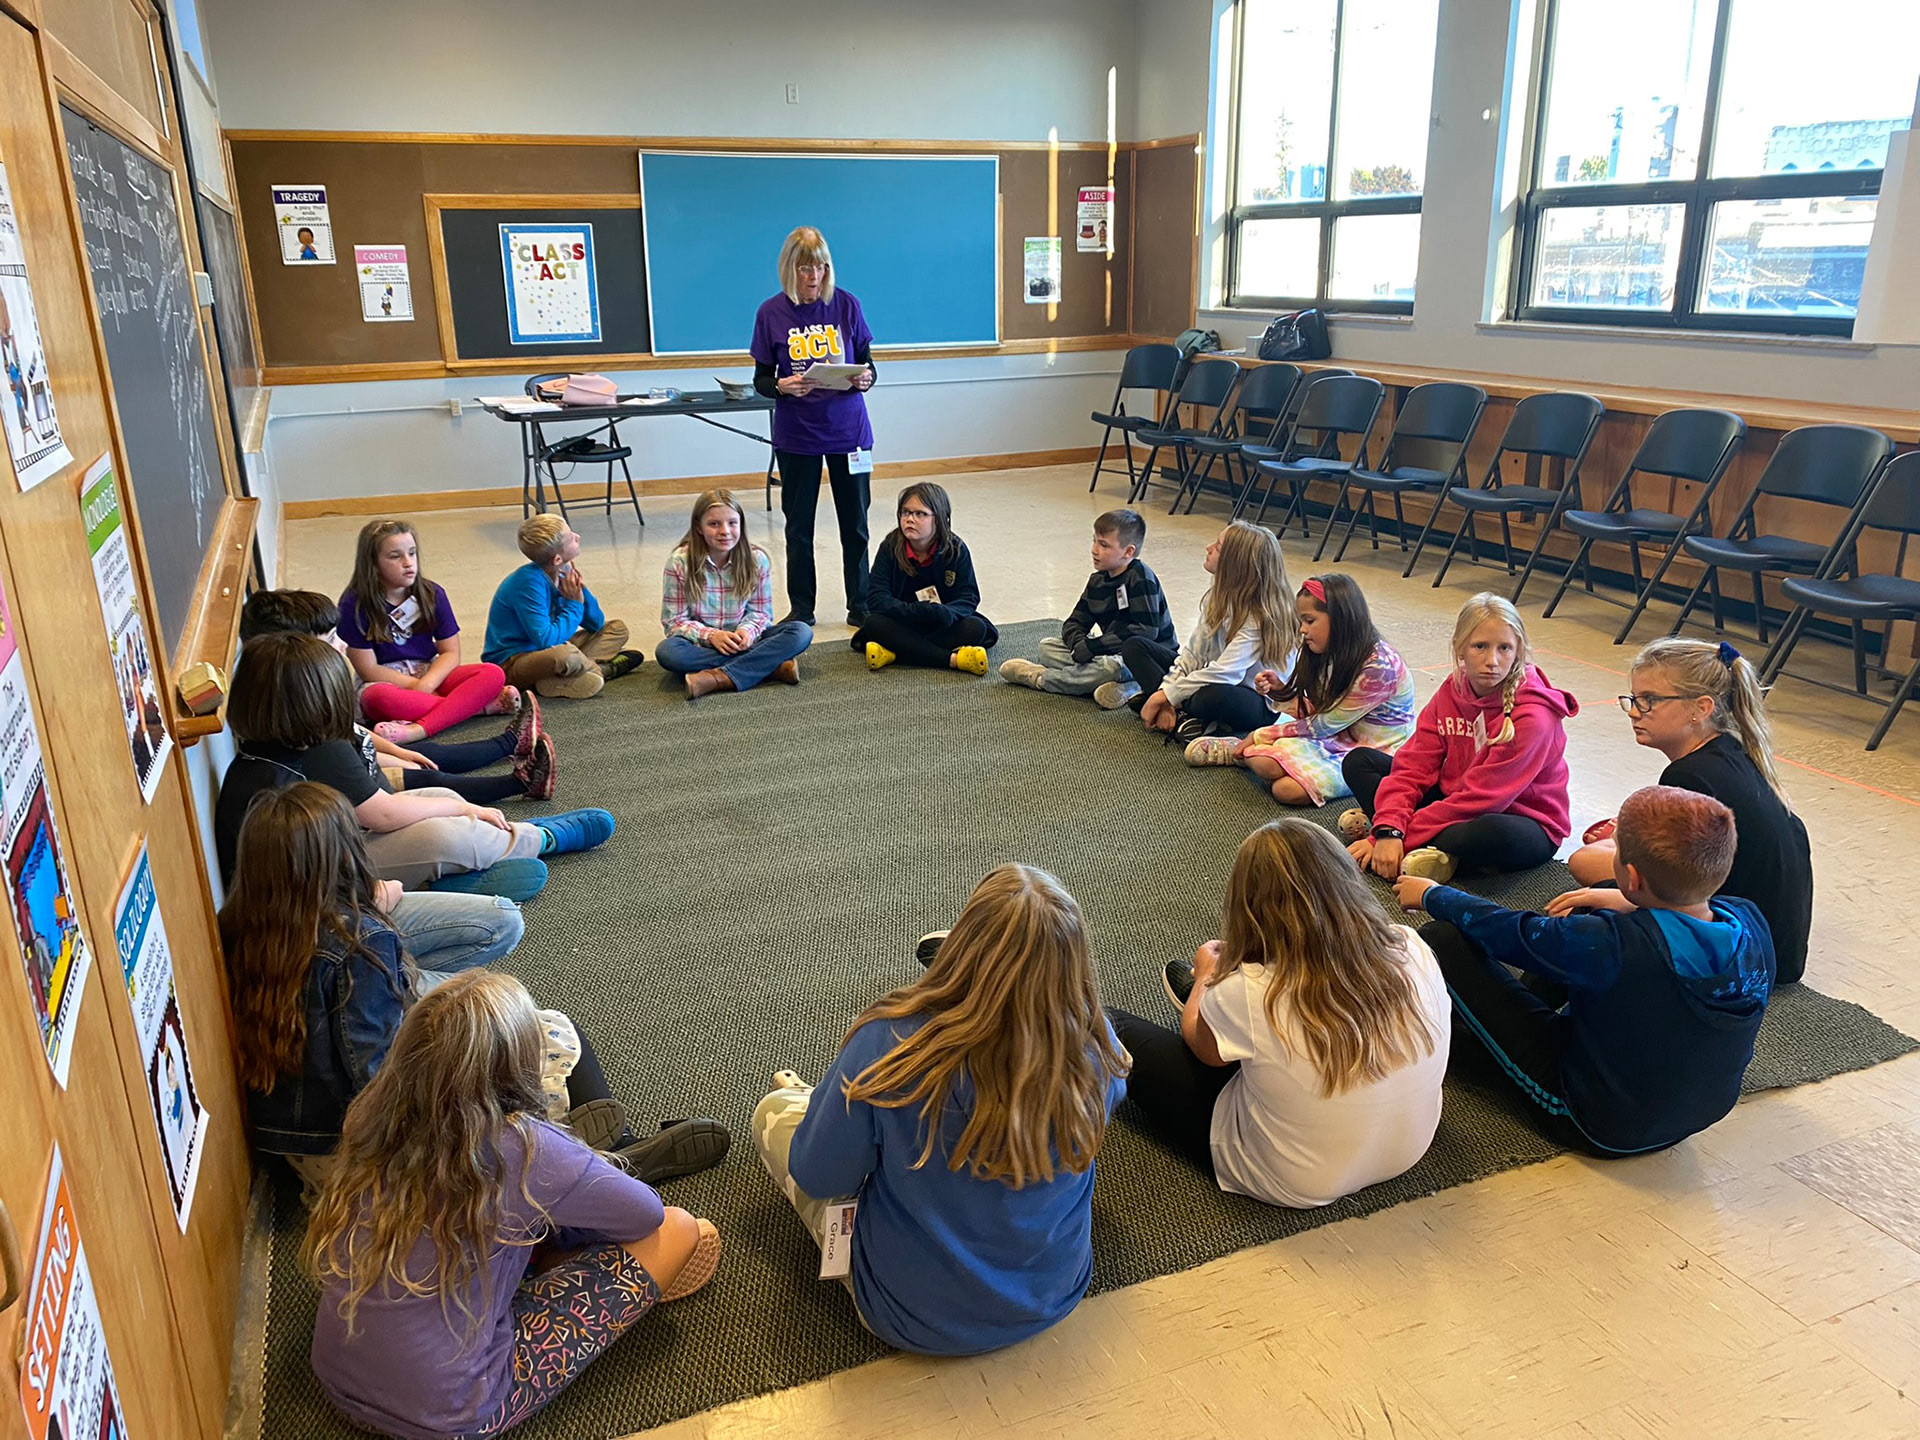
517 404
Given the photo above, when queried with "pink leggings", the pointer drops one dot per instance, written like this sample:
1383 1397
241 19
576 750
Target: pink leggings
461 696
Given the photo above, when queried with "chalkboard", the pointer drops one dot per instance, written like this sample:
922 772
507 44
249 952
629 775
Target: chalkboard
477 282
220 249
154 357
915 238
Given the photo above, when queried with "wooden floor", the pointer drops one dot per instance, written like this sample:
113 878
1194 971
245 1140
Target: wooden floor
1762 1279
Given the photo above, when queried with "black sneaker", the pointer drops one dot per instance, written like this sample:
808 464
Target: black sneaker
1188 729
681 1148
929 946
793 615
1178 979
624 663
598 1124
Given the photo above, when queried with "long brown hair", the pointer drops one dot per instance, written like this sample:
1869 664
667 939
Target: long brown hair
303 878
1298 905
420 1152
743 566
934 497
1700 667
292 690
1250 588
1476 612
1323 681
370 596
1011 1007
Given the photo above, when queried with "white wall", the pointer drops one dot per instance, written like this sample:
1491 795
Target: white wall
1172 45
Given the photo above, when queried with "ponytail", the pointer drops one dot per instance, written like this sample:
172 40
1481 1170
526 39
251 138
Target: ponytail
1699 667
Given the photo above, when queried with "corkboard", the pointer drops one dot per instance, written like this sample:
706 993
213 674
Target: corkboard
1166 239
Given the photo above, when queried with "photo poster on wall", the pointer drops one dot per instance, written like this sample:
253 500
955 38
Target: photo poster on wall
552 293
146 962
1042 254
147 739
385 291
304 224
26 411
1094 219
67 1390
45 917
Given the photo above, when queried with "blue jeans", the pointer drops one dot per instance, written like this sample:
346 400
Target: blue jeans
777 645
446 933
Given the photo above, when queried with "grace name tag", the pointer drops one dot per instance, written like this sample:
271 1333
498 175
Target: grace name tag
930 595
860 462
836 1239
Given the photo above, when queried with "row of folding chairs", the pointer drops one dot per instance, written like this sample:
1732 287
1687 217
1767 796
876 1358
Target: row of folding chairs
1269 425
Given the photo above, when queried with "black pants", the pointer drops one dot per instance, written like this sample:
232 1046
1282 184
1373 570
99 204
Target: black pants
799 499
1147 661
1486 842
1174 1088
931 648
453 759
1234 708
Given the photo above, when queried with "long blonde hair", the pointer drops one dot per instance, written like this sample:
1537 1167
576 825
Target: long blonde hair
1298 905
1699 667
1010 1008
1250 587
420 1152
1476 612
743 566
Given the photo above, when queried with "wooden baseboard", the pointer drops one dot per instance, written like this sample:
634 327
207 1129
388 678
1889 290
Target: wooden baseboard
592 492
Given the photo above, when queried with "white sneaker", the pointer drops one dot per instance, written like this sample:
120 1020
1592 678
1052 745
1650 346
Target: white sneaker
1112 694
1022 672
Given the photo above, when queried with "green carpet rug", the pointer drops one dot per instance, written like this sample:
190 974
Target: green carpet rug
778 854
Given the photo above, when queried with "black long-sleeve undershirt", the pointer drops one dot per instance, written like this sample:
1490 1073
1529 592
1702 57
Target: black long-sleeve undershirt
765 382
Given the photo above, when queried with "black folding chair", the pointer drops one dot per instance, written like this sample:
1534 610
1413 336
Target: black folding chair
1819 464
1893 505
1147 367
585 448
1442 415
1209 386
1332 406
1259 408
1682 445
1275 447
1559 427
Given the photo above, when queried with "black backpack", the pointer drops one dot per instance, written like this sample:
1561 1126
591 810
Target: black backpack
1296 335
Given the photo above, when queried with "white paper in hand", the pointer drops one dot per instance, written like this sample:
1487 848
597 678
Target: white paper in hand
832 377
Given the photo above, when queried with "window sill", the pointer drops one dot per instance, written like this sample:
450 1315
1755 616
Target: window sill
1334 317
1691 337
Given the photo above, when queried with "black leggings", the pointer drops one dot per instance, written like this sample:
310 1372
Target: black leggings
1486 842
1147 661
799 500
451 760
1234 708
931 648
1174 1088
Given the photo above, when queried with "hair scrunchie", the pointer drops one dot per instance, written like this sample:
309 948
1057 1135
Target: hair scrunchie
1728 654
1317 590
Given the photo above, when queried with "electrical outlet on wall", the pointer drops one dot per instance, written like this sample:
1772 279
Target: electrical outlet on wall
453 407
793 93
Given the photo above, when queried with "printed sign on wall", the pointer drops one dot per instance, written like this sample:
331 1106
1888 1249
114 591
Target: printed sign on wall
304 224
385 291
66 1379
26 411
1042 254
551 291
147 737
1095 229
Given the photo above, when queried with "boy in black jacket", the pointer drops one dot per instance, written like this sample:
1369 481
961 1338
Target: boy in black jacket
1123 601
1662 1001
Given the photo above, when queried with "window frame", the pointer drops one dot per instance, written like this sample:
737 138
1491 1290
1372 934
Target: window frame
1697 199
1327 211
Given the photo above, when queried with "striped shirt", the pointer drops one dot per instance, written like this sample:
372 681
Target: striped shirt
716 607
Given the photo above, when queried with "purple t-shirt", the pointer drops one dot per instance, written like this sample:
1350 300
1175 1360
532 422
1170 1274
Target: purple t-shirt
413 641
405 1371
793 337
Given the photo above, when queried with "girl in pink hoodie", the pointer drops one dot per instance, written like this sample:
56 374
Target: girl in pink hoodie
1483 781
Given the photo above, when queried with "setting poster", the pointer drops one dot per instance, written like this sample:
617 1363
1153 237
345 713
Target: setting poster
147 963
147 737
66 1378
52 949
1042 256
26 411
551 292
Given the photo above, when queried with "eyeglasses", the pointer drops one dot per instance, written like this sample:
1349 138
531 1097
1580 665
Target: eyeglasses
1643 704
916 514
811 269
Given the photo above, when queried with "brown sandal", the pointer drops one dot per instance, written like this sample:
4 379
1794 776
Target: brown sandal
700 1265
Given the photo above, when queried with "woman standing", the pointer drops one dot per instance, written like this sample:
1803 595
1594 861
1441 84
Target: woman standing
812 321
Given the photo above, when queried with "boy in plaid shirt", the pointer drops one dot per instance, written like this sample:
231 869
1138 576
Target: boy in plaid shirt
716 606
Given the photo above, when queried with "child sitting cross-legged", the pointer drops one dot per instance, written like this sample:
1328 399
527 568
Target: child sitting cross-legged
923 600
1123 602
545 629
716 607
1661 1002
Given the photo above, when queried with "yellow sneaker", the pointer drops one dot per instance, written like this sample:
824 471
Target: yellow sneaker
970 658
878 656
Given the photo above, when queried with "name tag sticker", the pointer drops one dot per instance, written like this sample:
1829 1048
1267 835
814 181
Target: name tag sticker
860 462
836 1239
1120 597
929 596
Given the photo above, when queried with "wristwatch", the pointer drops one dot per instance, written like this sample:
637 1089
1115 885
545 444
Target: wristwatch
1387 832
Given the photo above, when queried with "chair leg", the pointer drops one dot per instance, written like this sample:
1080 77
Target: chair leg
1693 599
1425 530
1506 543
1466 524
1719 603
1893 706
1646 591
1144 478
631 493
1760 605
1775 660
1101 459
1579 563
1533 556
1859 658
770 465
1333 518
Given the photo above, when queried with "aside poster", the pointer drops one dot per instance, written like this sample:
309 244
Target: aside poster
147 963
551 291
52 949
305 225
1095 219
1042 254
385 291
147 736
66 1377
26 411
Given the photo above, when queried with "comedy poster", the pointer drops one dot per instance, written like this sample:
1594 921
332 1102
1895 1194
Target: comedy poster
147 738
1042 254
45 918
1094 230
304 224
385 291
66 1377
26 411
147 965
551 292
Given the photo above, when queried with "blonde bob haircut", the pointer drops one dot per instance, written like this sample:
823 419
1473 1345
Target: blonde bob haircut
805 246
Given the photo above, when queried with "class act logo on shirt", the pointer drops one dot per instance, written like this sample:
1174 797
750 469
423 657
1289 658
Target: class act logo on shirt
551 258
816 342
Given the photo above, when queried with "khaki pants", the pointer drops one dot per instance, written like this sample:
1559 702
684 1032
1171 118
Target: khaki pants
572 670
447 845
774 1120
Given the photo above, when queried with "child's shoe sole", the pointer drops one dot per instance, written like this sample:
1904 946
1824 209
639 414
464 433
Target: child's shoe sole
680 1149
971 658
1022 672
1213 750
700 1266
1114 694
878 656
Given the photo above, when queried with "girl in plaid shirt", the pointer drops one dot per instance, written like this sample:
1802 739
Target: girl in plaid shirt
716 606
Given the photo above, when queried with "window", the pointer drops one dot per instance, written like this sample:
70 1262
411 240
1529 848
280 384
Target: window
1713 164
1329 154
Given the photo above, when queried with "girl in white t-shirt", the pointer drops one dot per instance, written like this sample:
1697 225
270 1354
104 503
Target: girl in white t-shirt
1313 1032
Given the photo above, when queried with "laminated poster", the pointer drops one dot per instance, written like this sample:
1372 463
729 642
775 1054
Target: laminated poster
26 411
1094 219
147 963
551 293
385 291
52 949
1042 269
305 227
147 738
66 1378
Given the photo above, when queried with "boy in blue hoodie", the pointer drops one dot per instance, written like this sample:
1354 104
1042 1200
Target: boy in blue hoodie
1662 1001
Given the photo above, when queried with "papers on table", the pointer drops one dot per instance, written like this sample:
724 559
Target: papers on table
518 404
